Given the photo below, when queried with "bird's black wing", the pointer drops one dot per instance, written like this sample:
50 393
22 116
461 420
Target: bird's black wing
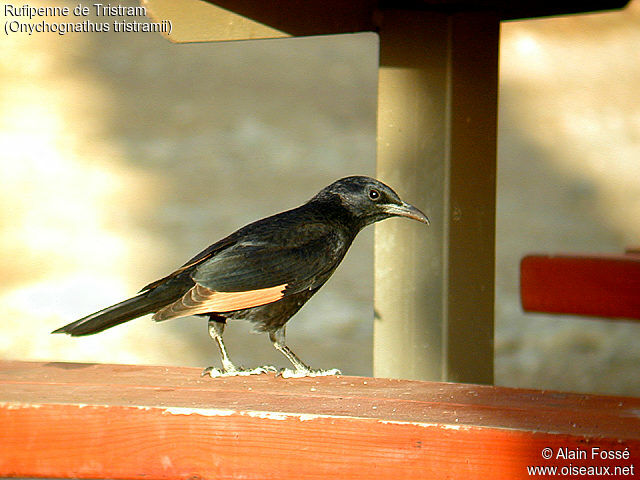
199 258
261 269
302 258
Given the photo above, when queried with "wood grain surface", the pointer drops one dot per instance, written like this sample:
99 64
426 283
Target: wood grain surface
144 422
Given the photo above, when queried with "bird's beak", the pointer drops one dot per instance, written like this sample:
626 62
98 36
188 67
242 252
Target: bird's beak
407 210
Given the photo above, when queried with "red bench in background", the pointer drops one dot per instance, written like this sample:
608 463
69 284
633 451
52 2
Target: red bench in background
594 285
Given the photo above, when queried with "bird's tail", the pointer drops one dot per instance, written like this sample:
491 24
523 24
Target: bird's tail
114 315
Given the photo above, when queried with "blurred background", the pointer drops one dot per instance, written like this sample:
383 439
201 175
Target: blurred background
123 155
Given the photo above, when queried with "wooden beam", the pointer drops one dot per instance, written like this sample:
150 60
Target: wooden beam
137 422
196 21
224 20
508 9
594 285
437 120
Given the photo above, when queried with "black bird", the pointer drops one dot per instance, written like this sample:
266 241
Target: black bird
263 272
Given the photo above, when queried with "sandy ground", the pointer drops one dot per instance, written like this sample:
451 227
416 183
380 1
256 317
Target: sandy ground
123 155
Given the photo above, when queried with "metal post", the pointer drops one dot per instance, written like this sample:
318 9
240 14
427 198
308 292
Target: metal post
437 119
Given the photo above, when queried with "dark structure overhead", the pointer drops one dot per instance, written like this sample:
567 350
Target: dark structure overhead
321 17
508 10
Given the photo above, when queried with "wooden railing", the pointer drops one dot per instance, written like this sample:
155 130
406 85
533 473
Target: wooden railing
601 285
142 422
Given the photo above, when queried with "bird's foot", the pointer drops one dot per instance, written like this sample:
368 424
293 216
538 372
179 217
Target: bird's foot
215 372
307 372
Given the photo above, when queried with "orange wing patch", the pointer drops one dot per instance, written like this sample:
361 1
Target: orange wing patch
200 299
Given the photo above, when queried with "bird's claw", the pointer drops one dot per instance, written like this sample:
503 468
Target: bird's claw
307 372
215 372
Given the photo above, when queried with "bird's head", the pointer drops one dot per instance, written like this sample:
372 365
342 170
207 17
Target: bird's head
370 200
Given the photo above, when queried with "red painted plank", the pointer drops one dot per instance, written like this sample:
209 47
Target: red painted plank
120 421
593 285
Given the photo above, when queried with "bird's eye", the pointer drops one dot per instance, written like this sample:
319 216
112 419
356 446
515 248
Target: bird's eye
374 194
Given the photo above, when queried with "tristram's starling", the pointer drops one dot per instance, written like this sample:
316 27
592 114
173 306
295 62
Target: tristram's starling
264 272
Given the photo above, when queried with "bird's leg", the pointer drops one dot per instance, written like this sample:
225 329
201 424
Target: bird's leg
277 338
216 328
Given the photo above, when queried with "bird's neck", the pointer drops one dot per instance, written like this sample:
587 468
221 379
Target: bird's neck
334 212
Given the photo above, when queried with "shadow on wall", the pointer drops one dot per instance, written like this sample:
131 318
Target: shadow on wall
567 182
159 150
